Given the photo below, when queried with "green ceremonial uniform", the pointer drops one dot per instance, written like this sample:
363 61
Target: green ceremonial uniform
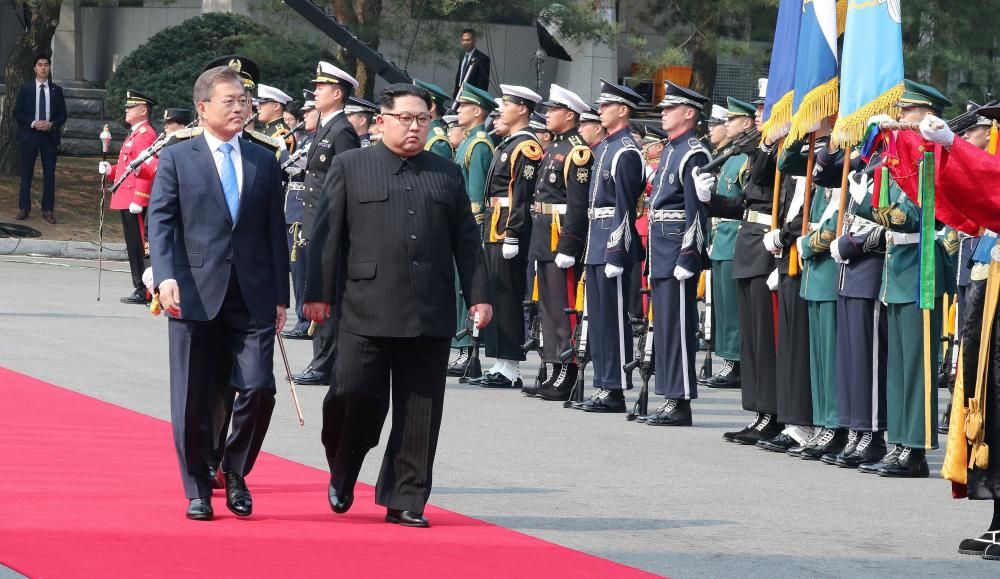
437 140
819 289
474 155
725 314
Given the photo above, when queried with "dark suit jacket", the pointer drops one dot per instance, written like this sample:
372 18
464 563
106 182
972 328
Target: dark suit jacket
480 76
24 112
193 240
405 231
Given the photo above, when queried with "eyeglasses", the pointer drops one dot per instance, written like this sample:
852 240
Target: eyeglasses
229 103
406 119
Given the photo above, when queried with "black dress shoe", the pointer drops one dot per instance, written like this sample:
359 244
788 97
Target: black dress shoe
832 440
238 499
218 481
672 413
296 334
992 553
767 427
340 503
137 297
606 401
498 380
853 437
728 377
457 366
979 546
406 518
912 463
312 378
561 385
731 436
200 509
486 376
780 443
878 465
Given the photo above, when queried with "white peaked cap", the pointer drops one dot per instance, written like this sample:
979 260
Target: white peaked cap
558 96
520 92
269 93
326 72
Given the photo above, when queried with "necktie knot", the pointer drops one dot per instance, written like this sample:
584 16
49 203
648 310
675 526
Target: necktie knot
226 148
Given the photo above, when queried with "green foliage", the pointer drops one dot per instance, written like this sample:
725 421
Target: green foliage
166 66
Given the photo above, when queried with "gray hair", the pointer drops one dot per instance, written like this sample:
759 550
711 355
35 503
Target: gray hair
207 81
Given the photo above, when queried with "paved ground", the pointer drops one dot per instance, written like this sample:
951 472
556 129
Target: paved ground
678 502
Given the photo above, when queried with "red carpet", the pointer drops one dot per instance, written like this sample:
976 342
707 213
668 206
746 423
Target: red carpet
89 489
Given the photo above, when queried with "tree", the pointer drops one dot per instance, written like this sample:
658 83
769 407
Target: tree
36 39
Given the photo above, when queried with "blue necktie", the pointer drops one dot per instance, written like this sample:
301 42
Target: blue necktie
230 186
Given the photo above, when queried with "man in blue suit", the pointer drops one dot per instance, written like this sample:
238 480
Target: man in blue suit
40 112
220 263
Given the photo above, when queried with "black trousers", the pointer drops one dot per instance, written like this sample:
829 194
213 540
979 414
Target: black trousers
556 292
299 269
195 389
356 406
324 342
30 149
507 278
862 334
134 245
757 363
792 380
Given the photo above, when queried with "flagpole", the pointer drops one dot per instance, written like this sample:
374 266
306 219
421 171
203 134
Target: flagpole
843 190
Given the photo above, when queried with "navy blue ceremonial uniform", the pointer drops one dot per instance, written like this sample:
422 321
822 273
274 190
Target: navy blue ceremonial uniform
677 227
617 182
295 210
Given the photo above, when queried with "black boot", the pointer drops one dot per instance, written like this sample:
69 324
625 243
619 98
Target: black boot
561 385
832 441
888 459
672 413
768 427
728 377
980 545
731 436
605 401
912 463
457 366
538 383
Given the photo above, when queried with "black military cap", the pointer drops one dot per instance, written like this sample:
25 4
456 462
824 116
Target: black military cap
248 70
180 116
654 134
134 97
359 105
677 95
537 122
618 94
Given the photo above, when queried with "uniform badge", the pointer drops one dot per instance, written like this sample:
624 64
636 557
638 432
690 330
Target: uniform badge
322 158
897 217
552 178
582 175
503 157
671 178
529 172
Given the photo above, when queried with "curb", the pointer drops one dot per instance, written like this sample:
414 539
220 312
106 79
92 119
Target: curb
66 249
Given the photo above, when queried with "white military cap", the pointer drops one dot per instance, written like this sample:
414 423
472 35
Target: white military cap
560 97
267 93
450 120
719 115
520 95
327 73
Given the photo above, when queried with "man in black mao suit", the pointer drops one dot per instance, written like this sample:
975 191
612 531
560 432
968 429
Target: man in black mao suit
402 216
475 59
40 112
218 248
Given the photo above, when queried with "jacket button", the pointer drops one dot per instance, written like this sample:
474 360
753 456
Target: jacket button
415 264
411 212
408 188
413 236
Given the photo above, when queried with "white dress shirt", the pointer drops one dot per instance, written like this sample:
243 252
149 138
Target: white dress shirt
48 101
218 156
324 121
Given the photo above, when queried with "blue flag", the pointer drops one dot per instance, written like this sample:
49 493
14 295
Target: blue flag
871 78
816 83
781 76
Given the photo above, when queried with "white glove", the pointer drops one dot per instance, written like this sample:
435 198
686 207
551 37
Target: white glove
682 274
835 251
611 271
510 250
147 278
564 261
772 280
936 131
104 167
858 186
771 242
134 208
879 119
800 242
704 184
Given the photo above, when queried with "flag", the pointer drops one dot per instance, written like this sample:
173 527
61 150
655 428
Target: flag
871 75
781 76
816 89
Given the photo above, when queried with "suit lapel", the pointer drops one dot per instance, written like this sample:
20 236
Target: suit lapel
206 165
249 172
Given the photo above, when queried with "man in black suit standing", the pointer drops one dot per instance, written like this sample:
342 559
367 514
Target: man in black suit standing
220 261
475 59
40 112
402 217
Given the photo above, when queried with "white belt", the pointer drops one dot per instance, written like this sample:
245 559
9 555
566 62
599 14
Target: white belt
894 238
549 208
658 215
757 217
600 212
859 224
813 226
501 201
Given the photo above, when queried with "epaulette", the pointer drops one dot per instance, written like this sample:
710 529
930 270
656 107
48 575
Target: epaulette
143 129
437 138
262 139
628 142
183 135
529 148
440 132
696 144
479 137
576 141
578 156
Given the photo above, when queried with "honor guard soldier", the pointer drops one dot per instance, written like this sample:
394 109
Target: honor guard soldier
295 214
132 196
612 247
175 120
334 135
360 112
510 187
271 103
591 129
474 154
437 136
678 223
455 132
538 125
558 233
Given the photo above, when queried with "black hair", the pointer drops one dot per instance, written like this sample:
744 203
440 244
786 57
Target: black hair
295 110
471 31
387 98
42 56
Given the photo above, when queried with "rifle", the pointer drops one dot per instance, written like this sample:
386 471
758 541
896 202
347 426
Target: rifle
735 148
580 347
644 360
706 329
454 102
535 335
162 140
474 369
288 165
